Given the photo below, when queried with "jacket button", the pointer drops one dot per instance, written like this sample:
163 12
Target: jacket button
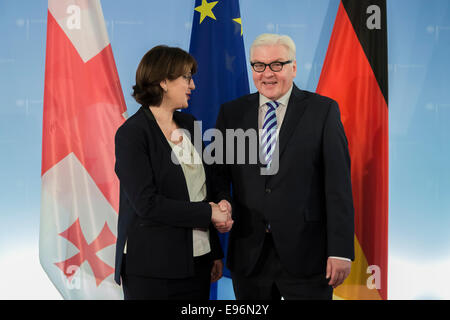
268 190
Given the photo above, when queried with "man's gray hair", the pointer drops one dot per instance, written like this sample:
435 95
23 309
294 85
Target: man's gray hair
270 39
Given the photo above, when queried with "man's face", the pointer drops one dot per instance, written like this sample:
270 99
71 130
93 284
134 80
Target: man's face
270 84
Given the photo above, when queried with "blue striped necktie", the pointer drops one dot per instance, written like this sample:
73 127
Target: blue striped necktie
269 132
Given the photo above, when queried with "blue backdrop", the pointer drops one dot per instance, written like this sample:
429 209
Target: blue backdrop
419 110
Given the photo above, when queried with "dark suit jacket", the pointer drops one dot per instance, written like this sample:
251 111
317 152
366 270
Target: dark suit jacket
308 202
155 215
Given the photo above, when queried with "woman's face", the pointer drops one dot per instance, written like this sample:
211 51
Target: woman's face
179 90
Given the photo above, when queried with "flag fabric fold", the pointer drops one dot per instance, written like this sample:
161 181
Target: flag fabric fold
83 107
217 45
355 75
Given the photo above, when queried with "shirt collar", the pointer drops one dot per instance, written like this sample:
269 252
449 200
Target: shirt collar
282 101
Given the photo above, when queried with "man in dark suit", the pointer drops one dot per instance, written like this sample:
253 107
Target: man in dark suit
293 210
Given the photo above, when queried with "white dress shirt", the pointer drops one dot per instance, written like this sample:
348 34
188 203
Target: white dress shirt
195 177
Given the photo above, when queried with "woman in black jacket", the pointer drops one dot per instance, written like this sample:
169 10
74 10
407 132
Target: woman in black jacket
167 246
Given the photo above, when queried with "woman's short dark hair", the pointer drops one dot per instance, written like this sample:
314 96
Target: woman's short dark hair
160 63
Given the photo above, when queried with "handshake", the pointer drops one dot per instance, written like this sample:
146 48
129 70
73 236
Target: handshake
221 216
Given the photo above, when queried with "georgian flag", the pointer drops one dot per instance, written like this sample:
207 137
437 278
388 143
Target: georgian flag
83 107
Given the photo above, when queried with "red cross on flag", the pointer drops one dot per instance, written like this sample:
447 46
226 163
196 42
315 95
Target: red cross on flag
83 107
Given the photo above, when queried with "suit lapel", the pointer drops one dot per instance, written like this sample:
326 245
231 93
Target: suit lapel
180 121
154 125
250 116
295 109
195 132
250 121
182 124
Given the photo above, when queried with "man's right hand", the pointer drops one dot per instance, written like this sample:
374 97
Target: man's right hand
221 216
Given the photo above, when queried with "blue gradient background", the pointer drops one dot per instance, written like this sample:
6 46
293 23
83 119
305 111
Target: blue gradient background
419 112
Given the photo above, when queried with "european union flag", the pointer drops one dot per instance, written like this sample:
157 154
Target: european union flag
218 46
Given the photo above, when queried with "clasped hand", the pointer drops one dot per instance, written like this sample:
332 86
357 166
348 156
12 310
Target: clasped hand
221 216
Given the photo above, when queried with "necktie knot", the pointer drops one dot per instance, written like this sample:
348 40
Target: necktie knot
272 104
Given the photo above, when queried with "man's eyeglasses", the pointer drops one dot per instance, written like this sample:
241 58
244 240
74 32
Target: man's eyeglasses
275 66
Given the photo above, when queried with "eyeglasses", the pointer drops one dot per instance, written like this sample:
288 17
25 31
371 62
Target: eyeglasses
187 77
275 66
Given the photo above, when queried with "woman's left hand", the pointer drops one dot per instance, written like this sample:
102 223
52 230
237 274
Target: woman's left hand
216 271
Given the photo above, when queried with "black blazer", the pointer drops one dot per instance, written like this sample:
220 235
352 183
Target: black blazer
155 215
308 202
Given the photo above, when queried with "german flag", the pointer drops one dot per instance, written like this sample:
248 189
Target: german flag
355 75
